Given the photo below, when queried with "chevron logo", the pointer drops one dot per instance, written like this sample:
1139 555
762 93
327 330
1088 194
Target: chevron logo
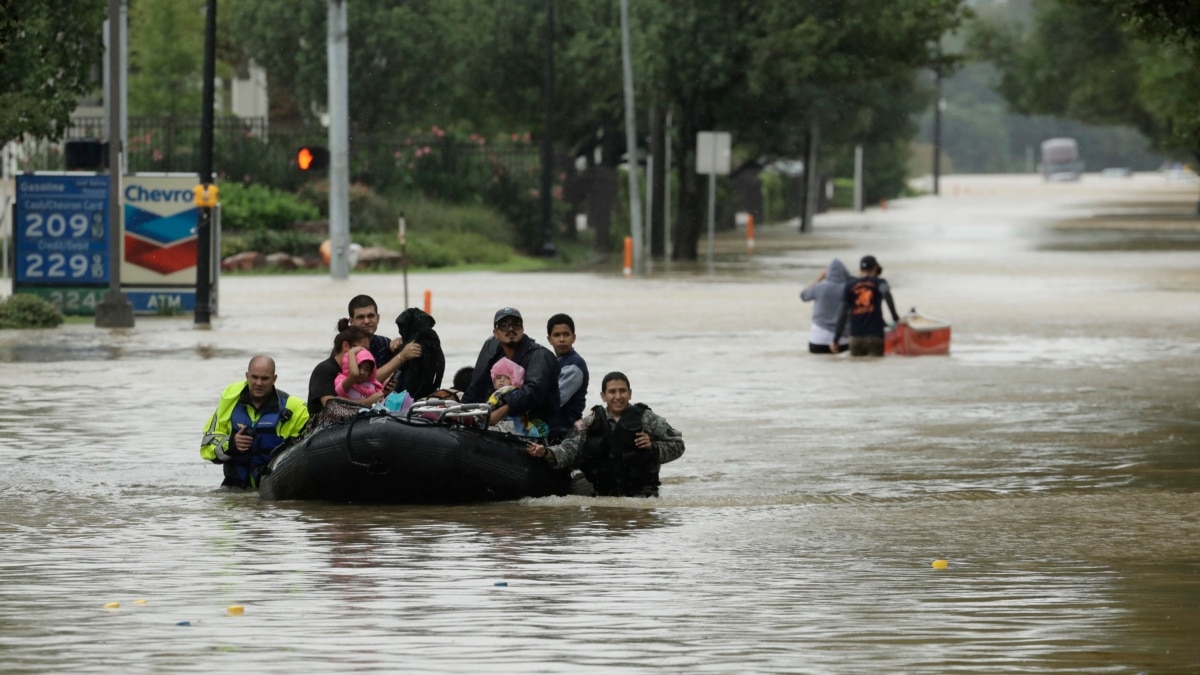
163 244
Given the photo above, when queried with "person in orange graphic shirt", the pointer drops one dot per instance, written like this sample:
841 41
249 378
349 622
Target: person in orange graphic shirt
862 309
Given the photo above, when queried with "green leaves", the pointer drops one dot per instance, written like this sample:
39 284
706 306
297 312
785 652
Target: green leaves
1107 62
166 51
47 51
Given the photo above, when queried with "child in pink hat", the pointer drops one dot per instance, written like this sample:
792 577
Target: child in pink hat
508 375
358 377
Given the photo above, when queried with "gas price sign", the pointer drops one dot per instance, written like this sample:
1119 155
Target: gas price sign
61 234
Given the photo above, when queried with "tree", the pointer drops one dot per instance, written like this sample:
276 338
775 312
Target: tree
774 72
48 49
1138 64
166 50
766 70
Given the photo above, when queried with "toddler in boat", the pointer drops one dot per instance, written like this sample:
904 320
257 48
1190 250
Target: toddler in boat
507 376
358 378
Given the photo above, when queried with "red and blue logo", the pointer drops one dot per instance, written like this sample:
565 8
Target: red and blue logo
162 242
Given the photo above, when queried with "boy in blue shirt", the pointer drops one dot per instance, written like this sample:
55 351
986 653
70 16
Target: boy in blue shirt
572 369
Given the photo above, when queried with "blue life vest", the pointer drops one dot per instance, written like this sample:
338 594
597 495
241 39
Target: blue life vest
244 468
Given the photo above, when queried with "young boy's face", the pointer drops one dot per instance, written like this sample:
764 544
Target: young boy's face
501 380
562 338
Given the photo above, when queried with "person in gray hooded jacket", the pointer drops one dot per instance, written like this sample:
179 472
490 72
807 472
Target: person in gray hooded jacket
825 292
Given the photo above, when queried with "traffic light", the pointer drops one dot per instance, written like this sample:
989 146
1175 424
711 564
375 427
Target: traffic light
312 158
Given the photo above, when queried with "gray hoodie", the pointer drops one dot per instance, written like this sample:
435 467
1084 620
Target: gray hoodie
828 295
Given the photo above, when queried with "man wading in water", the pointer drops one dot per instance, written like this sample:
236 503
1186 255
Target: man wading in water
621 446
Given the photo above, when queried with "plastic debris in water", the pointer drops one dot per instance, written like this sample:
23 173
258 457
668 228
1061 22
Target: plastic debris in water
236 609
112 605
940 564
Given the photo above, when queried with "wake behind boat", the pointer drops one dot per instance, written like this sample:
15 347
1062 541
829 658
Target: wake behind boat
438 453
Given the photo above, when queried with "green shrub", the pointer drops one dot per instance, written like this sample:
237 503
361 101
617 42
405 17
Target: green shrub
475 248
29 311
428 253
443 249
256 208
231 244
304 244
433 218
369 212
774 191
843 193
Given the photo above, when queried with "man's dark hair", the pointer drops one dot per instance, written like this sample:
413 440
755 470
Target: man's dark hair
462 379
557 319
614 375
360 301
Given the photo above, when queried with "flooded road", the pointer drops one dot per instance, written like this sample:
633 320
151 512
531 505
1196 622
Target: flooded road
1053 459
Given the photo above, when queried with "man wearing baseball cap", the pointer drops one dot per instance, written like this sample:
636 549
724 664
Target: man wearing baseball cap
538 396
862 309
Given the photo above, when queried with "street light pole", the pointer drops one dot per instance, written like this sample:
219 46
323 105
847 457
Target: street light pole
548 140
203 309
635 200
937 131
339 140
114 309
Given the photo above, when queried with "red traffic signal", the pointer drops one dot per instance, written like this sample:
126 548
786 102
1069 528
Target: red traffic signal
312 158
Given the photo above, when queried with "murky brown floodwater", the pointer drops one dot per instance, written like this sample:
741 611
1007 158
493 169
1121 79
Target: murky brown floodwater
1052 459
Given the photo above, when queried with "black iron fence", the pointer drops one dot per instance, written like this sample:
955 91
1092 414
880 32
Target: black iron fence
456 168
247 150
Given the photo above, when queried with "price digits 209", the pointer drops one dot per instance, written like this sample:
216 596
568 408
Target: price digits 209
55 225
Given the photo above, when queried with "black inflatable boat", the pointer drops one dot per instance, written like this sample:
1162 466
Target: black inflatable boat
435 454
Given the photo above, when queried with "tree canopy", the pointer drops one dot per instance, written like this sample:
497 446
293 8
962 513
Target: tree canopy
1132 63
166 50
761 69
47 51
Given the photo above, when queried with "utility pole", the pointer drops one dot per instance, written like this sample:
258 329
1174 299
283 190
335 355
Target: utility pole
938 105
635 199
204 225
548 140
339 141
937 131
114 309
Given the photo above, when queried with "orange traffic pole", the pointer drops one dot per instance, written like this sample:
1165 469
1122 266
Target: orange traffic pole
750 233
628 257
428 301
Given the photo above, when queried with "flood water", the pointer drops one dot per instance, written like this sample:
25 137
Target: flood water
1053 459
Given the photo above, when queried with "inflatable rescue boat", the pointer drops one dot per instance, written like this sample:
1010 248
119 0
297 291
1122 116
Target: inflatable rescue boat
438 452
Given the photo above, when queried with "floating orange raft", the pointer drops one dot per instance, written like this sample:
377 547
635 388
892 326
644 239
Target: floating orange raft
918 335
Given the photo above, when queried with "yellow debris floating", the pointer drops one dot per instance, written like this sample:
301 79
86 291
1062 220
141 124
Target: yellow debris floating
112 605
236 609
140 601
940 564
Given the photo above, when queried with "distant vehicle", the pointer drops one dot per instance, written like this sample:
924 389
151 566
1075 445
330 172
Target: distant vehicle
1060 160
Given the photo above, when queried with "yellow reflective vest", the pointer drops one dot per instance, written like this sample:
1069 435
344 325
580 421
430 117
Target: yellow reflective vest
214 446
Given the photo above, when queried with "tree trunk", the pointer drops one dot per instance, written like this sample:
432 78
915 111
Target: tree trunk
601 197
812 178
692 200
659 177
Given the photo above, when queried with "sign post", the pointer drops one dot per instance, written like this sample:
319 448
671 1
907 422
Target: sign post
114 310
712 158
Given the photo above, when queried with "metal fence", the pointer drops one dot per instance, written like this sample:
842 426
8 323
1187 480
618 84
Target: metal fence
454 168
245 149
